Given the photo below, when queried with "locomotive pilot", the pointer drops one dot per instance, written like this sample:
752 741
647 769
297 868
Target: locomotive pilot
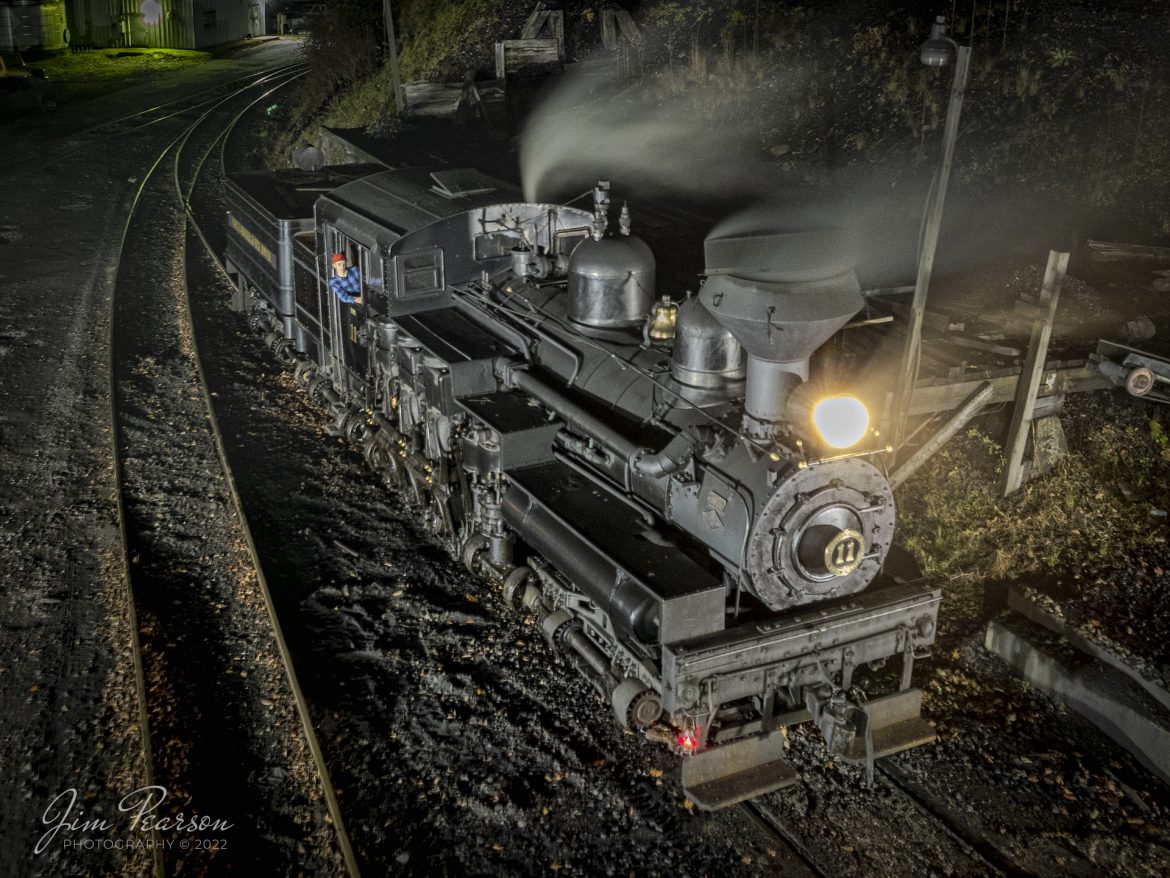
346 280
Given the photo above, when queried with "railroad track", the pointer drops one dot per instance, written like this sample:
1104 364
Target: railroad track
969 836
226 729
58 149
794 856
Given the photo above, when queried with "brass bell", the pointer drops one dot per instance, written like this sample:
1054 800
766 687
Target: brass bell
664 319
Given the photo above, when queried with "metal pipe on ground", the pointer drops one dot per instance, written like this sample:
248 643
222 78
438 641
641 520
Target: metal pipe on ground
968 410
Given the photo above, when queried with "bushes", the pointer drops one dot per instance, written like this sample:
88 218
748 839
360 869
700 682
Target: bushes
343 46
443 39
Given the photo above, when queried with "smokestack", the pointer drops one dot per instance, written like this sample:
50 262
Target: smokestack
782 295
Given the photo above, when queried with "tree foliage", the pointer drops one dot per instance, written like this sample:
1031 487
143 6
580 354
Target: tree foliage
344 44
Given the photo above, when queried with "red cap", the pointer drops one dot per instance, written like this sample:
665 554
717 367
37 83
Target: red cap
338 257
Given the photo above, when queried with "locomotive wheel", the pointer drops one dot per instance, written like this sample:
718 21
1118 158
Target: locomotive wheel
317 387
418 487
636 705
514 584
392 470
354 427
439 520
376 451
555 625
305 371
471 548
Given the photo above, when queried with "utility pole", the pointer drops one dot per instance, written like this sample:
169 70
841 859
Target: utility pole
908 373
399 94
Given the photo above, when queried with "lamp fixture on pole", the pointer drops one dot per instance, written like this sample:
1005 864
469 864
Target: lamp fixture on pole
938 51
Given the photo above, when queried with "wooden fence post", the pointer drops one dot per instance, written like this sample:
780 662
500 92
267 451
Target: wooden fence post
1028 384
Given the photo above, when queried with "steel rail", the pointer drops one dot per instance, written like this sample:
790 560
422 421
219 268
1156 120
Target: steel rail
301 702
969 837
109 128
174 147
774 829
120 496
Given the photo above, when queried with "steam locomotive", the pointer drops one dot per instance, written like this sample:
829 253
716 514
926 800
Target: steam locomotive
654 477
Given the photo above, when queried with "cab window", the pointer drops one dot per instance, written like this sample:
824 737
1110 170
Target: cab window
419 273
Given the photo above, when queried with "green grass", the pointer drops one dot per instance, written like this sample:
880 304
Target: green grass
107 64
369 105
441 37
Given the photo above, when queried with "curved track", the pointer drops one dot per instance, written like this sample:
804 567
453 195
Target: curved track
53 151
224 724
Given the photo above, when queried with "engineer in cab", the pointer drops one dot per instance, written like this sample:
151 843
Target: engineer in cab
346 280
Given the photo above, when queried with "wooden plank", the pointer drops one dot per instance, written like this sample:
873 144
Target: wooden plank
1029 383
541 43
942 397
557 26
609 30
537 20
511 55
934 321
972 406
432 98
976 344
626 26
932 224
1106 251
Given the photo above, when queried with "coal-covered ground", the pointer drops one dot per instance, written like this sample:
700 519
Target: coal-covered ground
226 743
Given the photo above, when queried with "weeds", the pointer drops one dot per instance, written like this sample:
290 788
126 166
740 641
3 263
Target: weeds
1062 57
1093 506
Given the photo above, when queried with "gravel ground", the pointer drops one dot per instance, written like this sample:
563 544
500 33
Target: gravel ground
66 671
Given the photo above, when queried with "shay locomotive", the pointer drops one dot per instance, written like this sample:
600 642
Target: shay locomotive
652 477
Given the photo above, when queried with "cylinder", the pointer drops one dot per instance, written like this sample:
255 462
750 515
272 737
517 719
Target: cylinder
625 602
574 415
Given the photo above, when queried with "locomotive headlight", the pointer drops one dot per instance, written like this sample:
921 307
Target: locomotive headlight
841 420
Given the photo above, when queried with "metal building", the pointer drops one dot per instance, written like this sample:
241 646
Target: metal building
170 24
32 24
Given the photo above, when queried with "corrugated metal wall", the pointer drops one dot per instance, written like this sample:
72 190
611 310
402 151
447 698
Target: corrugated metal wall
172 24
94 23
157 23
220 21
32 24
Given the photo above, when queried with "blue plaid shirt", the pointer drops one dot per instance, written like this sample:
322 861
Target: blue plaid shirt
348 288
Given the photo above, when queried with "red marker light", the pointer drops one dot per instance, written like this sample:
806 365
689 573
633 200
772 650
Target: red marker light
688 740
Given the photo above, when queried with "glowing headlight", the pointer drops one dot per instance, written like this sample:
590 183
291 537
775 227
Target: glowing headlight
841 420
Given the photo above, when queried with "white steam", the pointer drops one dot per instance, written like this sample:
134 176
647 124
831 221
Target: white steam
700 147
640 136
